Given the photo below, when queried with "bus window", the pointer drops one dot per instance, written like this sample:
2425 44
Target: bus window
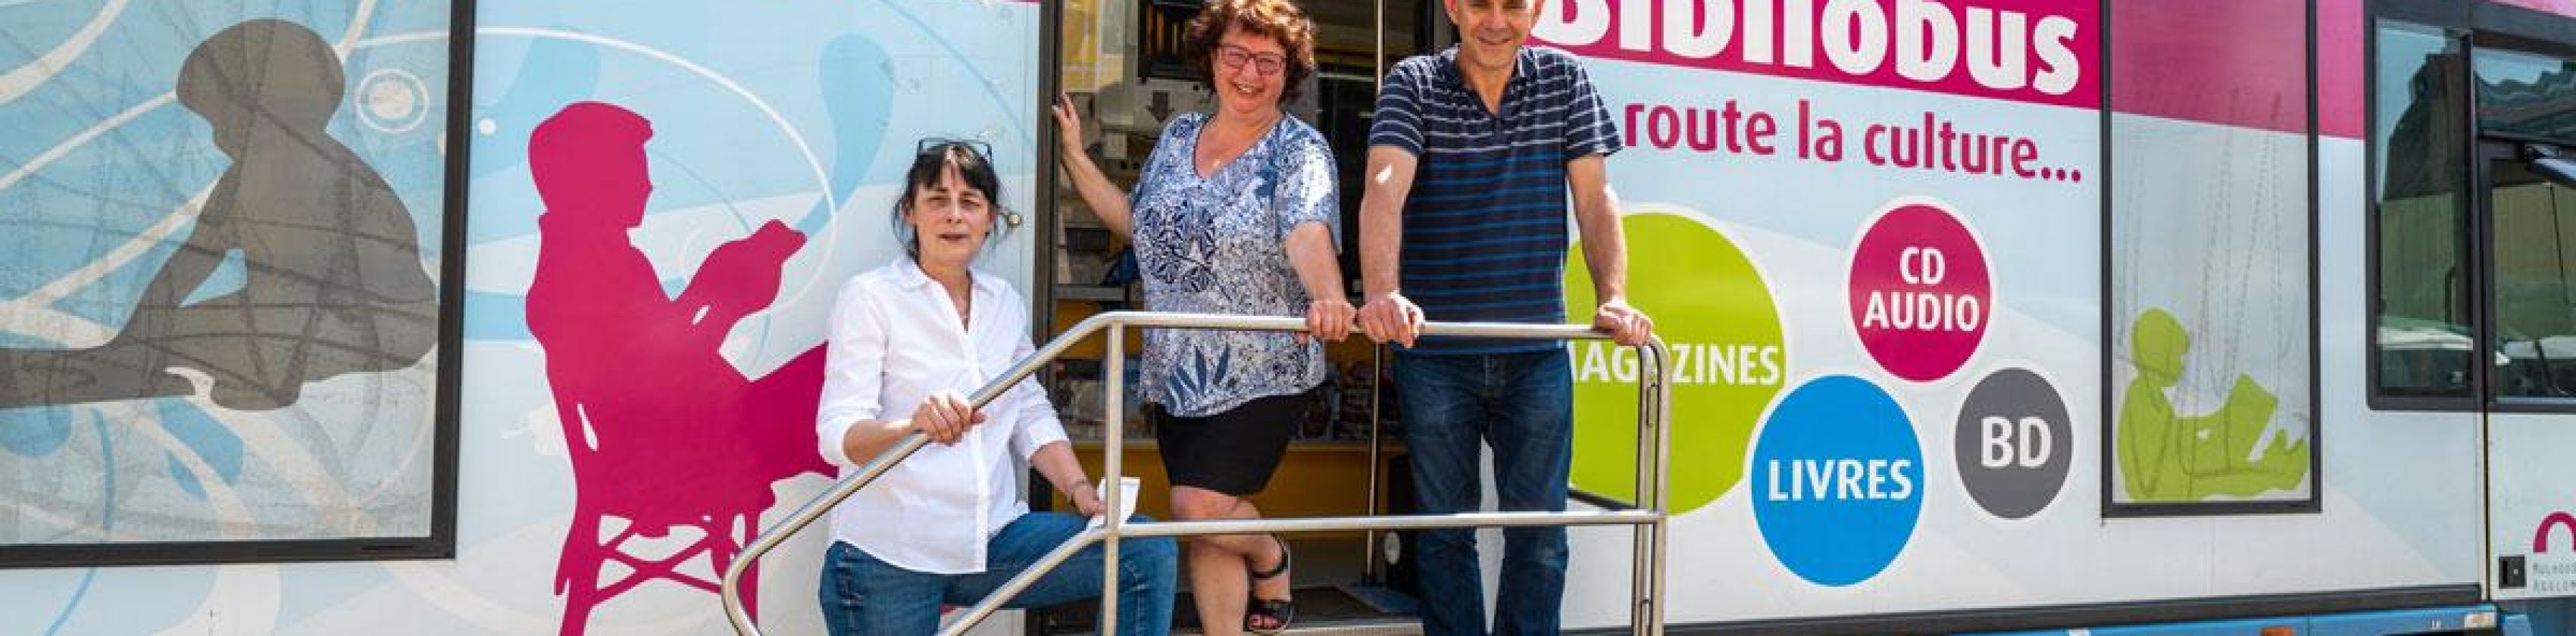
2524 94
2421 346
2535 306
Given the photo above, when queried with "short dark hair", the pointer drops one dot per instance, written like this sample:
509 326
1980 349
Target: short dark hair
934 157
1277 19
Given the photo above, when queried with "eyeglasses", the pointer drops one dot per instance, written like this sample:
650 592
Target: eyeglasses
1235 57
934 145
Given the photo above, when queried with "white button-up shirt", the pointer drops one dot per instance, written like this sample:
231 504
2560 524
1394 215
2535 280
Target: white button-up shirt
895 341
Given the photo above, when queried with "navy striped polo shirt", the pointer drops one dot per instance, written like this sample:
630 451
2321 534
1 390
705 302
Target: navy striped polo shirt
1485 225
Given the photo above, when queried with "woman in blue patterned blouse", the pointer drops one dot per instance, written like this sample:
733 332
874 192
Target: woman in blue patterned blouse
1235 213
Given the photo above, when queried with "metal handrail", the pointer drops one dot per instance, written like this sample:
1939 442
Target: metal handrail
1647 568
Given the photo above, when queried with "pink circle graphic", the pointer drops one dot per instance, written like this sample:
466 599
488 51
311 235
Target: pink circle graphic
1920 291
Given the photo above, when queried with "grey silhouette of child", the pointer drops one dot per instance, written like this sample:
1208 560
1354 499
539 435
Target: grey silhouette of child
334 279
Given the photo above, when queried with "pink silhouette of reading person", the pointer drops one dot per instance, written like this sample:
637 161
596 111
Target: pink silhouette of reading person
662 430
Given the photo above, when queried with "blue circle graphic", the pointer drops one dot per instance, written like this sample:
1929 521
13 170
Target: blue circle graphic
1837 480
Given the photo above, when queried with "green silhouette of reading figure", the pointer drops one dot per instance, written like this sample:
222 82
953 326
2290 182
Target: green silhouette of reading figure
2166 457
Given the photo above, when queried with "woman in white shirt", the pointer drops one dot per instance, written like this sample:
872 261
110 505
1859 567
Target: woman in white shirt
948 525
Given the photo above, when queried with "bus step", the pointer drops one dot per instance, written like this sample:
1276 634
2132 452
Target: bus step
1405 626
1322 610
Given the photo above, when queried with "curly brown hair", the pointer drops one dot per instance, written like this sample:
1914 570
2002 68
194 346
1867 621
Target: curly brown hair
1276 19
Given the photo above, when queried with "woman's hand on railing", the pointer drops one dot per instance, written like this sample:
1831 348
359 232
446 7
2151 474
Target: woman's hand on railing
1328 319
946 417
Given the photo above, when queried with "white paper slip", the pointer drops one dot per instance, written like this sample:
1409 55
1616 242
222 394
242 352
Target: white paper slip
1127 487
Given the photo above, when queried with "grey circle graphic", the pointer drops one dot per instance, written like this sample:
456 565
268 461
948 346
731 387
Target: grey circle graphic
2013 443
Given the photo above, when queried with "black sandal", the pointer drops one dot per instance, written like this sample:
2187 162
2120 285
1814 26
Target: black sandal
1279 611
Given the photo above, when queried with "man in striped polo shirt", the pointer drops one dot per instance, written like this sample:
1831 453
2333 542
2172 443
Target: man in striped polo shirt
1472 160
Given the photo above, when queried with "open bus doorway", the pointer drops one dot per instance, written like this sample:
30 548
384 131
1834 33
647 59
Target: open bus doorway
2528 207
2476 247
1121 63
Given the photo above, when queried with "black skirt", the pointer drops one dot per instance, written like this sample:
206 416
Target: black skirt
1232 451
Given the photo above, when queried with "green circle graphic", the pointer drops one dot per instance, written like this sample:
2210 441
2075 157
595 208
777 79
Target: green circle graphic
1729 360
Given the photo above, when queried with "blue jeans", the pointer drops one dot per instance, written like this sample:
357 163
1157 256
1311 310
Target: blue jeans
1521 404
863 596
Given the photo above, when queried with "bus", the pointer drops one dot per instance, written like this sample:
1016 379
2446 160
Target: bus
2233 316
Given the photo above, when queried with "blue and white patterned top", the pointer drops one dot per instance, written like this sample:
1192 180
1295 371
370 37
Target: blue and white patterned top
1219 245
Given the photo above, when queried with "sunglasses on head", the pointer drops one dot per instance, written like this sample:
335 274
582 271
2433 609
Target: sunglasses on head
930 145
982 151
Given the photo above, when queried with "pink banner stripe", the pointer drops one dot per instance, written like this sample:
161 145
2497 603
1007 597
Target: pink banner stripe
2560 7
2340 105
2231 62
2035 51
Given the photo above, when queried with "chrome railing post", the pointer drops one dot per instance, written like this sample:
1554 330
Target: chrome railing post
1376 461
1116 367
1641 601
1646 558
1662 501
